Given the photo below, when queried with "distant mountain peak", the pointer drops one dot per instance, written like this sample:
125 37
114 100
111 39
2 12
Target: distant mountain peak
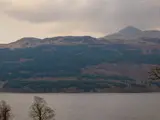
133 33
130 30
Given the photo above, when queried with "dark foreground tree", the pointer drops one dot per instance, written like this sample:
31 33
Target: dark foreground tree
154 75
5 111
40 111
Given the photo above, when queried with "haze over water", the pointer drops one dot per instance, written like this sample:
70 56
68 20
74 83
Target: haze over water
90 106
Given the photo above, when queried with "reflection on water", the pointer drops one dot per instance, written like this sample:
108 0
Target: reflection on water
91 106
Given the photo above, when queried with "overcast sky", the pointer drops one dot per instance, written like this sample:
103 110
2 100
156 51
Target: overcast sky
48 18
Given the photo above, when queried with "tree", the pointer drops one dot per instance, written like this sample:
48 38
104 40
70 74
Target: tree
5 111
40 111
154 75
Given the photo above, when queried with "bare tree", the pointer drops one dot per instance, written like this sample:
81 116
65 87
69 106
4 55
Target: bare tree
5 111
40 111
154 75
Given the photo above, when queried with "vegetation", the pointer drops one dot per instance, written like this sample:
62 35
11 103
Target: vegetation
40 110
53 61
65 60
155 74
5 111
64 86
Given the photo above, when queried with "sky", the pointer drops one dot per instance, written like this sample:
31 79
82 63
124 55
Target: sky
97 18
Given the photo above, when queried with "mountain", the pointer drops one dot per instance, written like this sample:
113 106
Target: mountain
151 34
79 63
25 42
129 35
132 33
61 40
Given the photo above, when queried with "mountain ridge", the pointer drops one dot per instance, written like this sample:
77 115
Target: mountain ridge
127 35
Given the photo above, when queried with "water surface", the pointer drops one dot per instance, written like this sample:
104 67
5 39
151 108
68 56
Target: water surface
91 106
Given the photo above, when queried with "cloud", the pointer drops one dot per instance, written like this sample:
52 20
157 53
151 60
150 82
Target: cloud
140 13
55 10
90 16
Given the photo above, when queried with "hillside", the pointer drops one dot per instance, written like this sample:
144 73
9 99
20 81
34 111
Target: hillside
77 63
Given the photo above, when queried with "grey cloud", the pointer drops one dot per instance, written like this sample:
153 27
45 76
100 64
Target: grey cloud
4 4
141 13
94 15
69 10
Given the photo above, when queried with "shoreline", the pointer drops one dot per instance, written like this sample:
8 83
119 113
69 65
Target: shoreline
112 90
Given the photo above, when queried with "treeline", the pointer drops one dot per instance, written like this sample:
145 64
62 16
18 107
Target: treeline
39 110
65 86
